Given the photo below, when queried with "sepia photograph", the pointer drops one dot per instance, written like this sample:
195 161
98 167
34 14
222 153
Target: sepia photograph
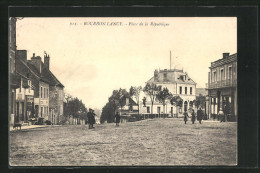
123 91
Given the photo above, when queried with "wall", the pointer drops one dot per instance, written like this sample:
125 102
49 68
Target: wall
56 102
43 100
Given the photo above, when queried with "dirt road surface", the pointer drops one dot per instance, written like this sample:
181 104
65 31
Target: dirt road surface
167 142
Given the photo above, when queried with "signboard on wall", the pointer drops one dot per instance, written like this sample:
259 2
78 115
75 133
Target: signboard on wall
29 99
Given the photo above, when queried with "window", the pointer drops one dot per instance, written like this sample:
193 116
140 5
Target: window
229 72
47 92
148 109
185 90
41 92
190 90
44 94
47 111
222 74
214 76
180 90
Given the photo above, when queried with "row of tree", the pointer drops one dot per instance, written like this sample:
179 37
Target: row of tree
153 91
164 95
116 101
74 107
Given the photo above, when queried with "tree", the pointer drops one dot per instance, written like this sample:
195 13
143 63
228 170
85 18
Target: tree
162 96
107 113
74 107
151 90
200 101
176 100
115 101
135 92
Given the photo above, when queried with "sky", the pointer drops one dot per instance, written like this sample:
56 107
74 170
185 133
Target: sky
92 59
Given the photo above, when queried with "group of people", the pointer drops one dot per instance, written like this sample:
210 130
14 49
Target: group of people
193 116
91 119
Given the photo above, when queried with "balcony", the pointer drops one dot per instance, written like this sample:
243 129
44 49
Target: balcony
222 84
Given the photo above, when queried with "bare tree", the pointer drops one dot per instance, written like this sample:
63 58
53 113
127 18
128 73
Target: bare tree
135 92
163 96
152 90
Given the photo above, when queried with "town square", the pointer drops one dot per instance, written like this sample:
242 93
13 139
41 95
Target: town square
157 141
123 91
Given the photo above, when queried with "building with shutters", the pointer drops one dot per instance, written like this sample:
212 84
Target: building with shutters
222 86
40 94
179 84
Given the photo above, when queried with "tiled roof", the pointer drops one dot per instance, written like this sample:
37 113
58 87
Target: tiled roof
50 76
46 74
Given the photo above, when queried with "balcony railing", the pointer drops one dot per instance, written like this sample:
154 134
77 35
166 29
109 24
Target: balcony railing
222 84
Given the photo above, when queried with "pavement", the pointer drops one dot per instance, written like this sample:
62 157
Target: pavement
28 127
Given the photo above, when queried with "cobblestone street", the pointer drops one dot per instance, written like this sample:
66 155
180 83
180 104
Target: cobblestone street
148 142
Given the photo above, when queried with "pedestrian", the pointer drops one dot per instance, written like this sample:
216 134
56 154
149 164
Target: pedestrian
193 116
89 114
185 116
117 117
199 115
93 119
221 115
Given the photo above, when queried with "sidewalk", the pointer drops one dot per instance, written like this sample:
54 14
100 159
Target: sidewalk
27 127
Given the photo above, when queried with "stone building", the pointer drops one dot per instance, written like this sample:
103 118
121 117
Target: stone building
40 94
222 86
178 84
25 92
56 93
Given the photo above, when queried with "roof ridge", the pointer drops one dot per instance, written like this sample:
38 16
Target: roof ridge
28 68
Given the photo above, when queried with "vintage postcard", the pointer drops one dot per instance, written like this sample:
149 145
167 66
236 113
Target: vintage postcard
123 91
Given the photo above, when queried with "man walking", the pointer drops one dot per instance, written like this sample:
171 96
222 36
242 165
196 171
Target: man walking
89 115
199 115
185 116
221 115
117 116
93 119
193 116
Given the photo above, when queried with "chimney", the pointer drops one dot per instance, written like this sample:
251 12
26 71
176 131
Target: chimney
22 55
156 77
36 62
47 60
225 55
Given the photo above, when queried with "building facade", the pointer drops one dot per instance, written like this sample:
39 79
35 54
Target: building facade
13 82
222 86
40 94
178 84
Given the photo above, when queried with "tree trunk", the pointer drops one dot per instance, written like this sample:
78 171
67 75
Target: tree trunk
163 110
151 110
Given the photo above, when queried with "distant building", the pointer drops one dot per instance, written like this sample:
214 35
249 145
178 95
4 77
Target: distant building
179 84
201 91
222 85
129 106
